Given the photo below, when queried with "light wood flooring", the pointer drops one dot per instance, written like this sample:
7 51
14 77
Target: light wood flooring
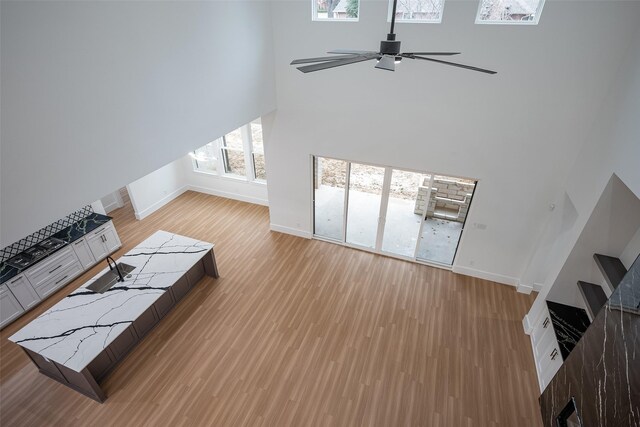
298 332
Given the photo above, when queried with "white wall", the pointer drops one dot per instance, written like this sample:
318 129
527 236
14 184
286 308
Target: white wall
112 201
523 125
608 231
98 94
153 191
613 147
231 188
631 252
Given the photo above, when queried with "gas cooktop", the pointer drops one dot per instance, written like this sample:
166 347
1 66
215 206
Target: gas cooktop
35 253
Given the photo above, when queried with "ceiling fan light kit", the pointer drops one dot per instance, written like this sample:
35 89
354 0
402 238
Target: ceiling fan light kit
386 58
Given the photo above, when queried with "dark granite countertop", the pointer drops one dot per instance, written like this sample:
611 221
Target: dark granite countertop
81 228
602 374
70 234
7 272
569 324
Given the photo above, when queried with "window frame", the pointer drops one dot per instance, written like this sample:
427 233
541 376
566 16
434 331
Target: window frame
314 14
414 21
253 152
533 22
222 159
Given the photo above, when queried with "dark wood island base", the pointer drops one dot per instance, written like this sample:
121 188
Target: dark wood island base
87 380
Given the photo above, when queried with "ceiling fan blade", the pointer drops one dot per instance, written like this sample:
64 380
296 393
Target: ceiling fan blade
351 52
468 67
321 59
387 62
338 63
432 53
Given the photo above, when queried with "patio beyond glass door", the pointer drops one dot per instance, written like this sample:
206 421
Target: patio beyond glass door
411 215
404 214
444 218
363 207
329 180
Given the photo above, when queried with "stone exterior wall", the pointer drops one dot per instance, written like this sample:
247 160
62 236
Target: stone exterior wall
449 199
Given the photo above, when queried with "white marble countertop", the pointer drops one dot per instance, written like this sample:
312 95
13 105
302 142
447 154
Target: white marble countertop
77 329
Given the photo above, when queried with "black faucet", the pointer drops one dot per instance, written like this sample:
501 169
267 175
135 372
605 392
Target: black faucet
115 265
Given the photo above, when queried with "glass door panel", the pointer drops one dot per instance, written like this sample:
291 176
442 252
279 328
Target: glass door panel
363 209
406 205
444 219
329 183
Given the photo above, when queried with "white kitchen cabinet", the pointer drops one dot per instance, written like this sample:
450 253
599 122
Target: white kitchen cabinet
24 292
549 362
83 252
10 308
546 350
103 241
54 272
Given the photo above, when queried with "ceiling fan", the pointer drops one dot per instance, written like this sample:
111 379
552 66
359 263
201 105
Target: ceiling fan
387 58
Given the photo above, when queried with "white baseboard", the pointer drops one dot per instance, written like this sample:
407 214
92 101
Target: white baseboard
538 287
289 230
526 325
499 278
524 289
234 196
111 206
160 203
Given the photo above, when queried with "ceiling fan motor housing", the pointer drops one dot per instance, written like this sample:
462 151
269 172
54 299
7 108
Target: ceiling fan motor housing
390 46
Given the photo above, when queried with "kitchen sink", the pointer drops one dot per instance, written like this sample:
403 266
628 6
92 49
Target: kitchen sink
110 278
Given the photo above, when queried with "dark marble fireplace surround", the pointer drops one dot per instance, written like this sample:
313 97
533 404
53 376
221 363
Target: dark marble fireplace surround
602 373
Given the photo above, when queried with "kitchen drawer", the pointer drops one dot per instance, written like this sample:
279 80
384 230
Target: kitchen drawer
10 308
125 342
101 365
545 342
24 292
46 269
145 322
549 363
82 251
58 280
164 304
542 327
196 273
180 288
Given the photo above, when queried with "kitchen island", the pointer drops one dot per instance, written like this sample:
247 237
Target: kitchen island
79 340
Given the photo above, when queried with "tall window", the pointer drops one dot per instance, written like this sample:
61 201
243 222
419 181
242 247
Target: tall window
417 10
335 10
509 11
257 150
232 148
238 154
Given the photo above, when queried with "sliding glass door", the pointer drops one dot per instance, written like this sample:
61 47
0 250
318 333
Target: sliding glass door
329 183
404 214
363 209
410 215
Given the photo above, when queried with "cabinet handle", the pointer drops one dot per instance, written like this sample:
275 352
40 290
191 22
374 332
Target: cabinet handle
62 279
545 323
554 354
55 269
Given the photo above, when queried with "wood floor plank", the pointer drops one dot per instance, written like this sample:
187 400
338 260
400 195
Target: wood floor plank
298 332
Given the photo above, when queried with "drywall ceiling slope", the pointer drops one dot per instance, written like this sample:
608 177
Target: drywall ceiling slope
98 94
518 132
612 148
